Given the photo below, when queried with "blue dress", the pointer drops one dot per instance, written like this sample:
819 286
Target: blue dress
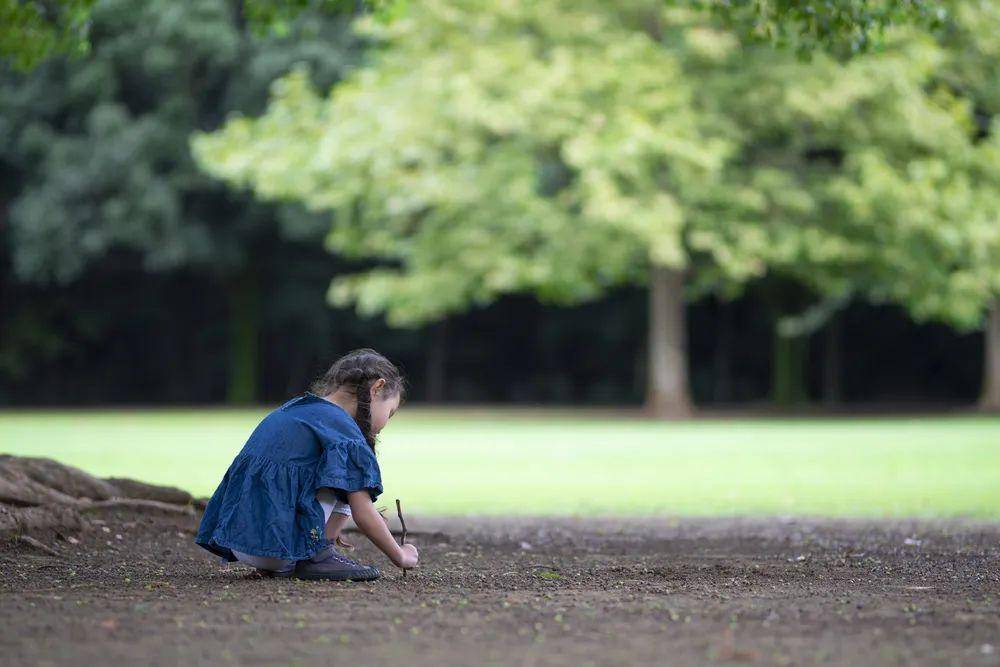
266 504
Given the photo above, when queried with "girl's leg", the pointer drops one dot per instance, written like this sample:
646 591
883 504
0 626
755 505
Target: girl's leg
331 505
336 514
328 563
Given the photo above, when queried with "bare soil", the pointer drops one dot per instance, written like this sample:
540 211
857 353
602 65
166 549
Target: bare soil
134 588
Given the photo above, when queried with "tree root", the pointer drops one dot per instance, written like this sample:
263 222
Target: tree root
42 494
134 503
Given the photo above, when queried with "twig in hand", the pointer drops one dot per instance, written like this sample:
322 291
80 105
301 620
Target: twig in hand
402 537
30 541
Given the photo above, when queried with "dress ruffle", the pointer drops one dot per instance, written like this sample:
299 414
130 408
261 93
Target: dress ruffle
348 466
264 508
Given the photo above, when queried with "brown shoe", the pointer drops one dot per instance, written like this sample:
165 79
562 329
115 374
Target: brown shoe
331 566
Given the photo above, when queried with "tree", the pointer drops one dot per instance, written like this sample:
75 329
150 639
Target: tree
895 174
564 148
972 40
915 202
99 147
482 170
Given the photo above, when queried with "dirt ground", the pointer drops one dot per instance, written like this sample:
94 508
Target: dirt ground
135 589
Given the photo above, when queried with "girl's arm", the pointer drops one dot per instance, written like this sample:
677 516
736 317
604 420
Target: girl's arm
370 522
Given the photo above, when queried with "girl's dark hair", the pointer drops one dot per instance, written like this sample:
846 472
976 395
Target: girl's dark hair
356 371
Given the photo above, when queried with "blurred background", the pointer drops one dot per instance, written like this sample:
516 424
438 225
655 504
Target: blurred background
611 245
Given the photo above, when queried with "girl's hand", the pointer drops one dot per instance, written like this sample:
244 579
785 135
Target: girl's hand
373 525
408 557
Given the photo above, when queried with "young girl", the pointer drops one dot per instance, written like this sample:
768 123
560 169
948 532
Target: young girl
306 468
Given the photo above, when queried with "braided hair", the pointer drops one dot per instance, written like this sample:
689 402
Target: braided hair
356 371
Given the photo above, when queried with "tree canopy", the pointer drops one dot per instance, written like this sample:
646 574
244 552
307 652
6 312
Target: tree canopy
843 27
458 156
486 152
31 30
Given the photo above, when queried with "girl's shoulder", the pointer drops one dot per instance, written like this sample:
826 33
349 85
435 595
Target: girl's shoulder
306 399
323 416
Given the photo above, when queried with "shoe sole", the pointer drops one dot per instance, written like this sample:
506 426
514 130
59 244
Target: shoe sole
336 577
270 574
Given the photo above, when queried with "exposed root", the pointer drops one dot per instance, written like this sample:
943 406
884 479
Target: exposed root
134 503
41 494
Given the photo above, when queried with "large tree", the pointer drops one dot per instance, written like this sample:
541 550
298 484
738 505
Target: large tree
892 179
911 202
972 41
497 152
99 150
561 148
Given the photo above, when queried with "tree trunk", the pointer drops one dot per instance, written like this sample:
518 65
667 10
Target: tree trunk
436 363
667 392
788 370
244 339
833 360
990 400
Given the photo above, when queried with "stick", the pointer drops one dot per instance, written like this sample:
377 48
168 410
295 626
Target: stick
402 537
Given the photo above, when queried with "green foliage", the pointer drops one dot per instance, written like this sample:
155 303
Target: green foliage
101 143
277 17
915 205
838 26
99 173
872 179
487 153
561 148
31 30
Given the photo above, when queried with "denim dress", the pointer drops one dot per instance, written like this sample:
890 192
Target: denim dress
266 504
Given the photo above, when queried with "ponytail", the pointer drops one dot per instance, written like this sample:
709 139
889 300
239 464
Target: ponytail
357 371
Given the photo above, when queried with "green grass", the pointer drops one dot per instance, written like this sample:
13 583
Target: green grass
566 463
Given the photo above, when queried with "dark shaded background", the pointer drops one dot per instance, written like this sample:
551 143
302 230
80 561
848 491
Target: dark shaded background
125 336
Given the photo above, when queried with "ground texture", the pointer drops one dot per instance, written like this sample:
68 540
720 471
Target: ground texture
133 588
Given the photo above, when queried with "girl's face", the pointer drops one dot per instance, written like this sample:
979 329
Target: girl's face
382 406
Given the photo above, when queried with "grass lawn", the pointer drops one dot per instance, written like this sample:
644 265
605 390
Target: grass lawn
578 463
